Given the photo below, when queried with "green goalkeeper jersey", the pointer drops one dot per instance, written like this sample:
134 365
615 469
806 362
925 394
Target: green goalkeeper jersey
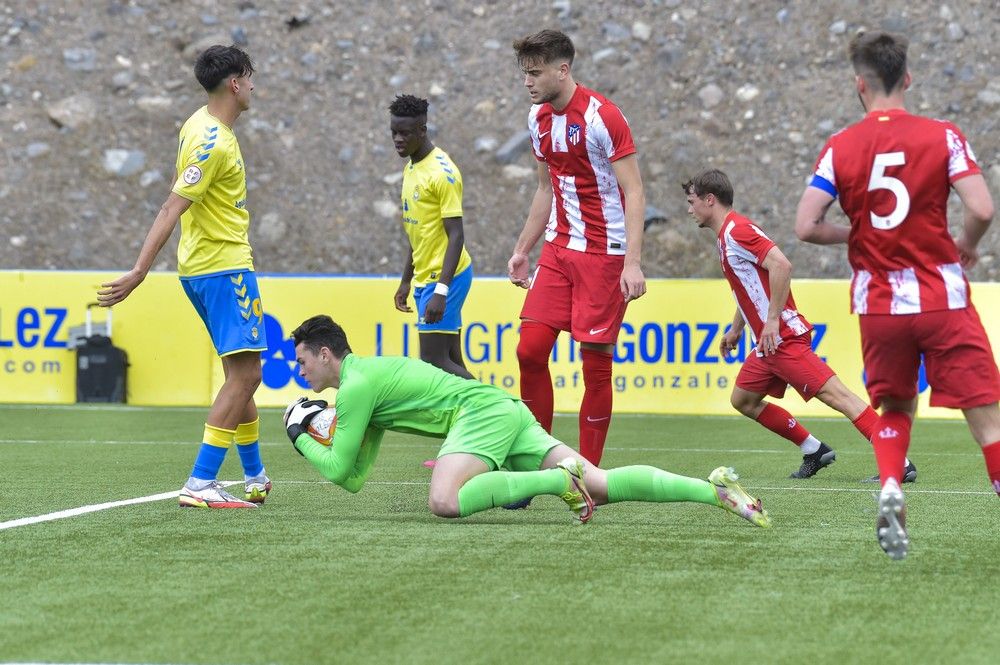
381 393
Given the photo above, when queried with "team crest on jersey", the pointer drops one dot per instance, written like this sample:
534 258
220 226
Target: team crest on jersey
192 175
573 133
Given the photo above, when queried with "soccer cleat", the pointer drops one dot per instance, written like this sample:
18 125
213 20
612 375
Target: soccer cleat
813 462
257 488
577 497
735 499
212 496
909 475
890 527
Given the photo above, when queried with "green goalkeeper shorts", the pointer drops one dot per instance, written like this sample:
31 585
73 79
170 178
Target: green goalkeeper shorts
503 435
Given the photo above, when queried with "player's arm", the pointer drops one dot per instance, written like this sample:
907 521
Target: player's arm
534 226
365 460
170 212
403 292
337 462
731 337
779 277
456 242
978 212
810 219
633 282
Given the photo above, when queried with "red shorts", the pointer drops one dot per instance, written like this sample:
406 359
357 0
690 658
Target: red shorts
794 364
959 362
578 292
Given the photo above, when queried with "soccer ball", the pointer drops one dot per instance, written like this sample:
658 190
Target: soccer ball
322 426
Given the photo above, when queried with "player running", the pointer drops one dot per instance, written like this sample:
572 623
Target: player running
761 280
893 172
494 451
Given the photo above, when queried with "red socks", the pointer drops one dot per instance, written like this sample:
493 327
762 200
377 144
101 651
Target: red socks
533 349
991 452
782 423
595 410
866 423
890 442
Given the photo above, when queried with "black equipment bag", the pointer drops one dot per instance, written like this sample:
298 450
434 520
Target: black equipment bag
101 367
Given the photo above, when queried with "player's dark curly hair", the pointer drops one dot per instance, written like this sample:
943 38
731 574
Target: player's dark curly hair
408 106
217 63
712 181
879 58
320 331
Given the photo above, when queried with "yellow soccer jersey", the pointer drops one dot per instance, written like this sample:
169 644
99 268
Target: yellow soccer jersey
432 192
210 174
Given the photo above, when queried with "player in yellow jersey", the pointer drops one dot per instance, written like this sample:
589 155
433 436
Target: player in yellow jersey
215 264
437 263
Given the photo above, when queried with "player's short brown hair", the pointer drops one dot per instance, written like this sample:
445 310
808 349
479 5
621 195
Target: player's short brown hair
712 181
879 58
545 47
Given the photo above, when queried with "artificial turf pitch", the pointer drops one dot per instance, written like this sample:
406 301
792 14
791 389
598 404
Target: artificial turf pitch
318 575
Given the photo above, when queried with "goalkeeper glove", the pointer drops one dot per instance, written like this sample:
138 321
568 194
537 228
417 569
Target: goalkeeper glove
299 414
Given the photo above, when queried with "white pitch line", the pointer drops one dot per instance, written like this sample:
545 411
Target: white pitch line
93 508
83 510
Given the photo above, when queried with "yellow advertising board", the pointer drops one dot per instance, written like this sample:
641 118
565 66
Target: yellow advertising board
666 360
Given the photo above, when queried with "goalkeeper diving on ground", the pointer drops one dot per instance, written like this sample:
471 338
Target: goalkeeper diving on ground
494 451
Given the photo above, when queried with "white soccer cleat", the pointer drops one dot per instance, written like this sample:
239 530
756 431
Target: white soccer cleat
891 523
212 496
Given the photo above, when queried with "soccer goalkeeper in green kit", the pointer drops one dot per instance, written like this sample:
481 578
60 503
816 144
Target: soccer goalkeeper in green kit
494 451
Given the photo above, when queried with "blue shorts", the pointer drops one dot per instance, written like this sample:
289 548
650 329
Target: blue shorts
229 305
451 322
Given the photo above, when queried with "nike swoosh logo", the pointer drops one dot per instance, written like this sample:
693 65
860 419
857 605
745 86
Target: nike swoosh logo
594 331
542 134
591 419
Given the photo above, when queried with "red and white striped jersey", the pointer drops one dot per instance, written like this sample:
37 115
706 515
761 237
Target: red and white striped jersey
578 145
892 172
742 248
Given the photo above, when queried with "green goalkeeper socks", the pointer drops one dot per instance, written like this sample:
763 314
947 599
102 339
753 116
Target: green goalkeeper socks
647 483
499 488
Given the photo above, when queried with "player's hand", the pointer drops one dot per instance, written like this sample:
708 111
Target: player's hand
402 293
434 311
517 270
769 338
114 292
729 342
633 282
299 414
968 254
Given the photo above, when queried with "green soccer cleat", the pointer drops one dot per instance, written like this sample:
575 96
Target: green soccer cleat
735 499
257 489
576 495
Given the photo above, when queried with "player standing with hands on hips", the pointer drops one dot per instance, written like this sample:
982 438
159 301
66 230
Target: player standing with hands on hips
893 172
215 263
589 205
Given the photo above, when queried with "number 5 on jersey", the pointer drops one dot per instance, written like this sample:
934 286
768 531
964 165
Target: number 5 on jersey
879 180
